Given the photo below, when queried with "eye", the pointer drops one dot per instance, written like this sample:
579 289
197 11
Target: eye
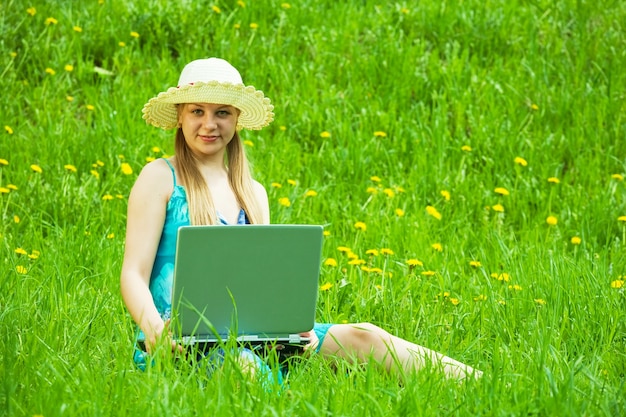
223 113
197 112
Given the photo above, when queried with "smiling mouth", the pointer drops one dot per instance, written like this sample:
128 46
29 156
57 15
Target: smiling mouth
208 138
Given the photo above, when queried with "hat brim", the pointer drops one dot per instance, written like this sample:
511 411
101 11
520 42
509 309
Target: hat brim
256 109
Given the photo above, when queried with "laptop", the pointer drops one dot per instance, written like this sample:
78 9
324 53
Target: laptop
256 284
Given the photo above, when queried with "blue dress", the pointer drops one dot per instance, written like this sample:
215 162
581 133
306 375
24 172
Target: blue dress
161 278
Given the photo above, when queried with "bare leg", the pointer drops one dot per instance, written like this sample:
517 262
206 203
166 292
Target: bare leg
365 341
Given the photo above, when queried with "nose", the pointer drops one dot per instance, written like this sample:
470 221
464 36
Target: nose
209 121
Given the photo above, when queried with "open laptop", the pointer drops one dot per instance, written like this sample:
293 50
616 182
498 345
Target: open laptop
253 283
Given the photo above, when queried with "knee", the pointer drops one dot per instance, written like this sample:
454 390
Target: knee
366 335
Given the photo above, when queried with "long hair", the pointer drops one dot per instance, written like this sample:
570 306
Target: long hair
201 208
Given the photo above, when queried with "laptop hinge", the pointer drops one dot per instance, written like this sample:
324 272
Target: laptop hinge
295 338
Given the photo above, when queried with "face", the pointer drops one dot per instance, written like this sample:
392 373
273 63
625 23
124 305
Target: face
208 128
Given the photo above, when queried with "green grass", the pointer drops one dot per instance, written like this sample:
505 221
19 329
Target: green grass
540 80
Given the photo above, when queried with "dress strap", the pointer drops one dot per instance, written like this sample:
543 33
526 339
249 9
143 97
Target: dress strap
172 168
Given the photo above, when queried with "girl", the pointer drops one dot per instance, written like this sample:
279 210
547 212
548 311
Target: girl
208 182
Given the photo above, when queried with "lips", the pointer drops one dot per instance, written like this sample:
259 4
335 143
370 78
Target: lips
208 138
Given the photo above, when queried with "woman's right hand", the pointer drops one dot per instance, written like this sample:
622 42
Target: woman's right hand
161 334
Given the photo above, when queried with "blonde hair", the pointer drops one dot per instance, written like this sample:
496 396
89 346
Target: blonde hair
201 208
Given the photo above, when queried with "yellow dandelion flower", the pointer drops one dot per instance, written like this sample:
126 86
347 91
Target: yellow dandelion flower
501 191
254 25
21 269
360 226
4 162
399 212
621 219
576 240
21 251
150 158
399 189
475 264
454 301
554 180
433 212
326 233
344 249
284 201
216 9
77 29
282 128
134 34
126 168
237 25
376 271
380 134
248 143
121 44
12 187
428 273
95 173
36 168
51 21
276 185
375 178
372 190
356 262
330 262
372 252
325 134
515 287
4 190
31 11
481 297
50 71
388 192
520 161
414 262
285 6
618 177
107 197
310 193
69 98
326 286
445 194
502 302
534 107
552 221
16 218
70 167
498 207
291 182
90 107
155 149
386 251
110 235
8 129
437 247
618 283
34 254
540 301
69 68
404 10
501 277
466 148
352 255
241 3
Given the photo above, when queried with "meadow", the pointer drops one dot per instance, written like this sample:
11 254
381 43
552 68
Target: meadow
467 159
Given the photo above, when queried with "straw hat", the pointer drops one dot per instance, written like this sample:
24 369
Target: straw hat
213 81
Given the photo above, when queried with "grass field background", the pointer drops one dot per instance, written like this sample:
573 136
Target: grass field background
467 159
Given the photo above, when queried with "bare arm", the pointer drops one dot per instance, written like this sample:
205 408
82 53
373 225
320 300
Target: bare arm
146 215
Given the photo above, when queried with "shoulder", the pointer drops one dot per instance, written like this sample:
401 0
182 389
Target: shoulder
259 191
156 178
